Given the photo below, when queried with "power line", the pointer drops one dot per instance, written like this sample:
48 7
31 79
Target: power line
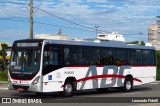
14 20
38 7
43 23
36 22
68 20
9 2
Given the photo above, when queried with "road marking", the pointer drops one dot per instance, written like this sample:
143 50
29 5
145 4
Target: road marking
69 98
131 93
3 88
154 83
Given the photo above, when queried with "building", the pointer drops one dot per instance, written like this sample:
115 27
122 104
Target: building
111 36
55 37
154 35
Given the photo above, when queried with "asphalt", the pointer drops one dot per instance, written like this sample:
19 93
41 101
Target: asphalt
147 90
6 82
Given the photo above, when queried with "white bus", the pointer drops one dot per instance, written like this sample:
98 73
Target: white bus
43 66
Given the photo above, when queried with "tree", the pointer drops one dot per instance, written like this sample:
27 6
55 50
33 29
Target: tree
142 43
134 42
158 64
3 54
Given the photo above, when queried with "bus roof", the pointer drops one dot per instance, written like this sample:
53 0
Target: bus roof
117 44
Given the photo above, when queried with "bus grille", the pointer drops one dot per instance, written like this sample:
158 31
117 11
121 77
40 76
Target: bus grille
25 88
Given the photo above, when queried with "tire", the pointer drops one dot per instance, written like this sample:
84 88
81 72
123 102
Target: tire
128 84
68 89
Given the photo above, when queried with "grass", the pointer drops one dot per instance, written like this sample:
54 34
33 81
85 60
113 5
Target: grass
4 75
158 73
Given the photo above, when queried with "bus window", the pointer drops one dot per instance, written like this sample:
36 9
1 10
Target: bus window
148 57
72 55
135 57
91 56
51 59
121 57
107 56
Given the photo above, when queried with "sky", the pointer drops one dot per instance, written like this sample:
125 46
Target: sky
128 17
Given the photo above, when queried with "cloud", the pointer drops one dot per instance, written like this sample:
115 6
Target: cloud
12 35
97 1
125 16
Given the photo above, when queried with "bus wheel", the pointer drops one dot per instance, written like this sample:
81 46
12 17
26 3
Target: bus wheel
68 89
128 84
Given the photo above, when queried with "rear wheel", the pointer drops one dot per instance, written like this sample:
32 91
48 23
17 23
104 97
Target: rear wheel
128 84
68 89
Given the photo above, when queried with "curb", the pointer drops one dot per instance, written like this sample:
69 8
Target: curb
3 88
3 82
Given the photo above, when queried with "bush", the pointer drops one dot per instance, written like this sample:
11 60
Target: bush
4 75
158 73
158 64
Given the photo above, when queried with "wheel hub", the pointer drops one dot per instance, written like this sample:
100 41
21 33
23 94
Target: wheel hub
128 85
68 88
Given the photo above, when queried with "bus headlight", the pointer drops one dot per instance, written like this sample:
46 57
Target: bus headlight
35 80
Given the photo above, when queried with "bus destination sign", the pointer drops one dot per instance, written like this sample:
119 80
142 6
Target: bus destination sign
27 44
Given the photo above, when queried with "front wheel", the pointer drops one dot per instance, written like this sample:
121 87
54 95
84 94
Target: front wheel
128 84
68 89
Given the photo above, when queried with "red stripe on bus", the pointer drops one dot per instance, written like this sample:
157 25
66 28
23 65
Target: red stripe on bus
104 76
138 80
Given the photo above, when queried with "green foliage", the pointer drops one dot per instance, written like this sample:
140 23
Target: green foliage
142 43
3 54
134 42
3 75
158 64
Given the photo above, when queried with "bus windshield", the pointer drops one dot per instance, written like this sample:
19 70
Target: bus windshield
25 61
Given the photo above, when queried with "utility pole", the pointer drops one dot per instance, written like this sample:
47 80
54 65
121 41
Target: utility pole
140 33
96 30
31 19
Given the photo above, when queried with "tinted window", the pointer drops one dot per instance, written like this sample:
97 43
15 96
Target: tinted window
135 57
72 55
148 57
121 56
107 56
91 56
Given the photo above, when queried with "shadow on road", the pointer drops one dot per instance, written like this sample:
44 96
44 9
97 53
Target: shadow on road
56 95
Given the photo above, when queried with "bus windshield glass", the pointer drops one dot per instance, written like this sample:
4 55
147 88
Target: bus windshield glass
25 60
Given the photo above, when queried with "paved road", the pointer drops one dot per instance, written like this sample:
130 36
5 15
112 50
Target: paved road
147 90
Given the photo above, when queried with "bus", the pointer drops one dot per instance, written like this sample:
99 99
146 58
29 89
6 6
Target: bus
43 66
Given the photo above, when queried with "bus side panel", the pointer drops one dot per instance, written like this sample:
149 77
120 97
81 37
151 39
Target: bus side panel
53 81
143 74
